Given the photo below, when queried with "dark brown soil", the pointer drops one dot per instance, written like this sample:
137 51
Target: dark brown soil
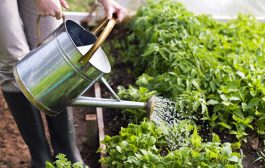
89 154
250 149
13 151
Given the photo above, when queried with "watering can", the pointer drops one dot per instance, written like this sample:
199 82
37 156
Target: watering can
68 62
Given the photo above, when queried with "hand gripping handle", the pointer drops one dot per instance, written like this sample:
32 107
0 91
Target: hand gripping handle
109 24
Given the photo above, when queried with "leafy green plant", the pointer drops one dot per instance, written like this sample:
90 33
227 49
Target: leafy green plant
80 5
241 123
212 70
62 162
179 146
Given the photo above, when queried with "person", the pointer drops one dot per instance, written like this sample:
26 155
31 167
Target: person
17 38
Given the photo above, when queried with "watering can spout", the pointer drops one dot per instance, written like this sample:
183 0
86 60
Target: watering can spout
83 101
149 106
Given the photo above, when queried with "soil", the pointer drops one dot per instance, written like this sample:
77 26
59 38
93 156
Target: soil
14 152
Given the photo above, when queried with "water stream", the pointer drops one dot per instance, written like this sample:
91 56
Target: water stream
176 129
164 111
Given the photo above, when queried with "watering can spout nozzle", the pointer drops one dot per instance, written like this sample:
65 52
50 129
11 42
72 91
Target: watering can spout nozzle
150 106
82 101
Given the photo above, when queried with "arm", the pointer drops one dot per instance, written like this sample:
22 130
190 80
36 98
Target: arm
54 8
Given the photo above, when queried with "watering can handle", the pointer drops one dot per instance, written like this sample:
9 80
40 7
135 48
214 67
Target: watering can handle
38 28
109 24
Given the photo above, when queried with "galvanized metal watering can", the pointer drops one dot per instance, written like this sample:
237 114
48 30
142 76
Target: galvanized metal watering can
66 64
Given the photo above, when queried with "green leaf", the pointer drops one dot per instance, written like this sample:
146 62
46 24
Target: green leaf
196 139
223 97
225 125
226 150
233 98
236 145
131 159
234 159
151 140
212 102
216 138
253 102
119 149
49 165
241 74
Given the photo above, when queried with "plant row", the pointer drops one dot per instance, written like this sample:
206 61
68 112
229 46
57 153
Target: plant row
214 71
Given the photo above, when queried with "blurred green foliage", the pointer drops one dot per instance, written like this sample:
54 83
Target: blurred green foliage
80 5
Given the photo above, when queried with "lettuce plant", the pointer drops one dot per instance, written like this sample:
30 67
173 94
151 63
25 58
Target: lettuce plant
179 146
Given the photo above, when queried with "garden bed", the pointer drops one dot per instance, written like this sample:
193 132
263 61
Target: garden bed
115 119
153 45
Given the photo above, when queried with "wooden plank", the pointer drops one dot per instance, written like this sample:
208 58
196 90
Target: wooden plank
92 130
99 112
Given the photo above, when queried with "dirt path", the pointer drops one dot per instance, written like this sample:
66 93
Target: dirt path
13 151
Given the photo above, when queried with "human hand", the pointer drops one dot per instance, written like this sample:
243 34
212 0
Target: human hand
52 7
111 7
